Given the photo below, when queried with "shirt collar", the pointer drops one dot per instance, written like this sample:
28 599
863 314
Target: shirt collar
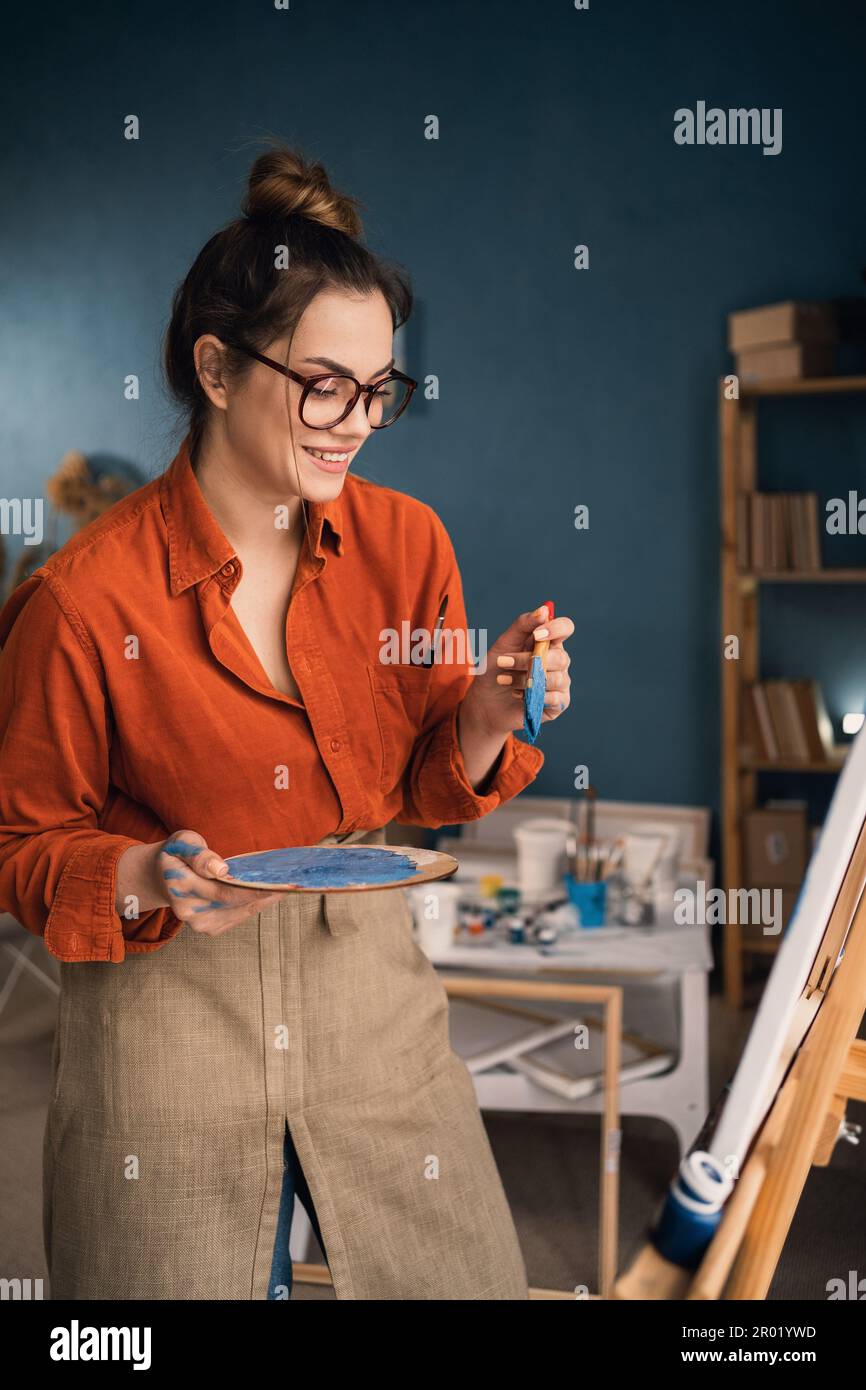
197 545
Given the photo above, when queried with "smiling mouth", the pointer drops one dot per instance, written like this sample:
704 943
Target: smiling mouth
328 455
330 460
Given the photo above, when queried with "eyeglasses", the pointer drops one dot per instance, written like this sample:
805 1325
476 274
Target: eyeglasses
328 398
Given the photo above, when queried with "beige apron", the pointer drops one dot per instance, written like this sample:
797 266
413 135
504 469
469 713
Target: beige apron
177 1070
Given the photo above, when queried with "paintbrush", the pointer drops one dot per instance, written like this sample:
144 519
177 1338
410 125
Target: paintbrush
536 684
573 841
613 858
590 833
432 655
540 649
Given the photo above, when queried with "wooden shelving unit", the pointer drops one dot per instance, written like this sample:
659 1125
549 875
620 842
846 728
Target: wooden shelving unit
738 420
833 764
829 576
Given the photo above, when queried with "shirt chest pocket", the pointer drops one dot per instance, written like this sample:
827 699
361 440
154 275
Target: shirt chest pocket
399 695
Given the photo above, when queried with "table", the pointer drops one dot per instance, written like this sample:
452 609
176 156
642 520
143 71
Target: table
663 971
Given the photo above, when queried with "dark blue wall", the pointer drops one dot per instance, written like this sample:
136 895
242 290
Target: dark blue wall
557 387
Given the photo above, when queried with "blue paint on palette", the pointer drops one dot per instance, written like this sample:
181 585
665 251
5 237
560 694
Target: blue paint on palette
533 701
340 866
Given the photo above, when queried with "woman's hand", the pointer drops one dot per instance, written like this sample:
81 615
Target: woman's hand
183 874
494 701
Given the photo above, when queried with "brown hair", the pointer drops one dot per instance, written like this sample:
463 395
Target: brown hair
235 291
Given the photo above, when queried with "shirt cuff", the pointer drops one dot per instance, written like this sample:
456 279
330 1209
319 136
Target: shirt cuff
444 787
83 923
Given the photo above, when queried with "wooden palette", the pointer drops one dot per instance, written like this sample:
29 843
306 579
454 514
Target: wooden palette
339 868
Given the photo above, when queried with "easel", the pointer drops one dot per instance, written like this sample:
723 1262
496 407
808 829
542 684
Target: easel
826 1066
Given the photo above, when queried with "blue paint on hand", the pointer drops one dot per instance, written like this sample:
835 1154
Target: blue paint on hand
323 868
181 848
533 701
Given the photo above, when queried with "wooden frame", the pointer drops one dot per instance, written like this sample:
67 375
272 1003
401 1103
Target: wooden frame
610 997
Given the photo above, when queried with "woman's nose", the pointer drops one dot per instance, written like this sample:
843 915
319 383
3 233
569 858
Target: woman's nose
358 419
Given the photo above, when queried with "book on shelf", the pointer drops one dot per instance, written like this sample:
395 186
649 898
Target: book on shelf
784 712
786 721
778 532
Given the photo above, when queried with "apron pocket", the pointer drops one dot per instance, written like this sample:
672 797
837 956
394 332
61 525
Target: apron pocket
380 1009
389 921
384 917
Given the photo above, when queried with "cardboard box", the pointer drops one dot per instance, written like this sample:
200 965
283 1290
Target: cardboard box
785 362
775 848
781 323
754 932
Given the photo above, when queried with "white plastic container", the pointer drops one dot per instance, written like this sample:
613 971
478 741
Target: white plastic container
434 907
541 856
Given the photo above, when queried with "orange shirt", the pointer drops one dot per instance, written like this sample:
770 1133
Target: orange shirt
133 705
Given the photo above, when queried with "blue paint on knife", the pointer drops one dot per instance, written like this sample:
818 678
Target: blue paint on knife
338 866
533 701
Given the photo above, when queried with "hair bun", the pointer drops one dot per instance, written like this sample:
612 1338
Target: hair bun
283 184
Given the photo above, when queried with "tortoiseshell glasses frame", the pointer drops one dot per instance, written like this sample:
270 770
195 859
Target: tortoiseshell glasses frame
308 383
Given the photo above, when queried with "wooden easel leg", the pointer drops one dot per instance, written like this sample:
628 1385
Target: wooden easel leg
823 1059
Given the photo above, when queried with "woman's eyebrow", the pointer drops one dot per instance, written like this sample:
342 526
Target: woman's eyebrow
347 371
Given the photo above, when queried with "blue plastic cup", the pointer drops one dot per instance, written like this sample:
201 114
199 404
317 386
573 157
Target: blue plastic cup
589 899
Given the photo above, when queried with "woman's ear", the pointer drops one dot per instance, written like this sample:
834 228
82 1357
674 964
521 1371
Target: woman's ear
209 357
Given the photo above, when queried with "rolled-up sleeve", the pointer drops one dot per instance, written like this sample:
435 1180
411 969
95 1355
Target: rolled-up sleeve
436 788
57 868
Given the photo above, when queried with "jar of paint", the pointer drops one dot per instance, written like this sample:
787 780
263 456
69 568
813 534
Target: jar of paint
508 899
473 917
490 885
516 928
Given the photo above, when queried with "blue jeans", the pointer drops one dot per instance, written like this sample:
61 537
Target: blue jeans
293 1182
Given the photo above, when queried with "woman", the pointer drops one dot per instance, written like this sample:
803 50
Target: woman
199 673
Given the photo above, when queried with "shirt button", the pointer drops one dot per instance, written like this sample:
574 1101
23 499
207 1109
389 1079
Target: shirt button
335 745
228 569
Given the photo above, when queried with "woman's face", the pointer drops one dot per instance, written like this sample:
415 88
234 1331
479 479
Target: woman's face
337 332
